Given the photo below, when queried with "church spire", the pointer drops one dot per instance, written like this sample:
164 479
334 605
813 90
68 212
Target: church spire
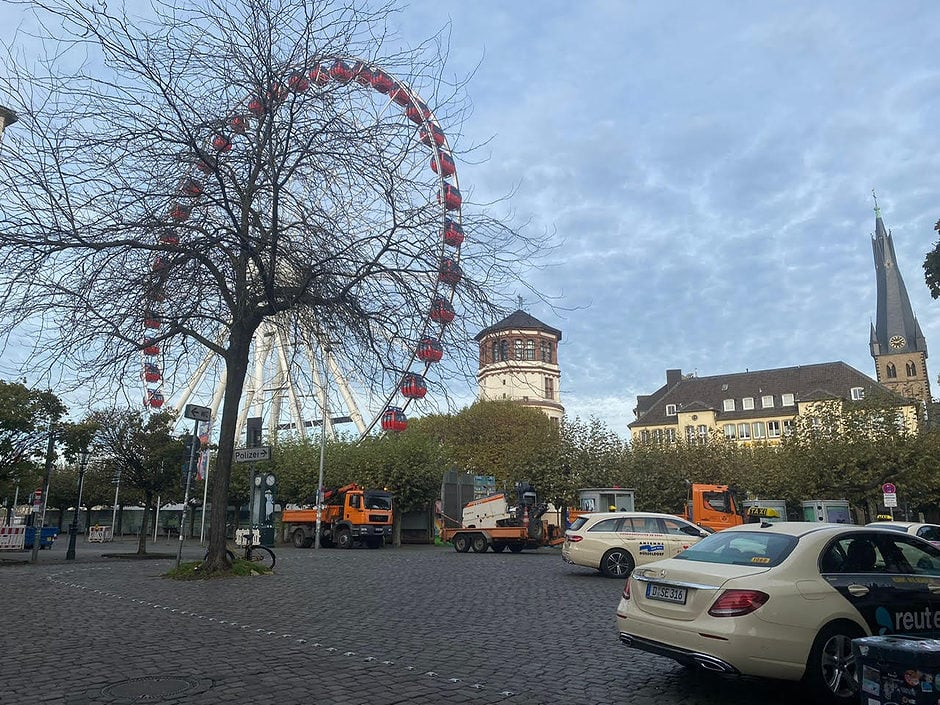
896 329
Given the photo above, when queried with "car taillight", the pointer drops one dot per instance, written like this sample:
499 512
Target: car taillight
734 603
626 589
573 538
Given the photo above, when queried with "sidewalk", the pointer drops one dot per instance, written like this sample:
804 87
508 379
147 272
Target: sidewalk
121 548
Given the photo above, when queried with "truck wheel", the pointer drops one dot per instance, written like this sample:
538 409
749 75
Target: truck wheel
344 539
498 547
461 543
300 540
478 543
516 547
617 563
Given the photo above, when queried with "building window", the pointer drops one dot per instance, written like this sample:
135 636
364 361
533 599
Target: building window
911 370
546 351
744 430
503 350
728 405
773 429
891 370
530 350
729 430
702 431
747 403
690 434
787 427
757 429
645 436
767 401
670 409
494 357
549 388
857 393
517 349
671 435
786 399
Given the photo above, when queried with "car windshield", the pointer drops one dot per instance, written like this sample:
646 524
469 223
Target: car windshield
741 548
378 500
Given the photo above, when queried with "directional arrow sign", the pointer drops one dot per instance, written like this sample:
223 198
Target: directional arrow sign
252 455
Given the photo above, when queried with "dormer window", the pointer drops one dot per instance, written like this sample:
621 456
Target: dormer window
728 405
747 403
767 401
858 393
786 399
670 409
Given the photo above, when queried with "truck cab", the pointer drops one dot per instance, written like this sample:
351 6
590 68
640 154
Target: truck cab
713 506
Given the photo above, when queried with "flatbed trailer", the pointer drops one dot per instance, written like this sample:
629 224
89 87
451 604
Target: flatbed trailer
499 538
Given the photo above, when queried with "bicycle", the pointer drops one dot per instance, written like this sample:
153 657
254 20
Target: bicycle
246 539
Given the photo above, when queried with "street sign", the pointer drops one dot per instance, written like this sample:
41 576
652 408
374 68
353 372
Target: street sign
197 413
891 499
889 488
252 455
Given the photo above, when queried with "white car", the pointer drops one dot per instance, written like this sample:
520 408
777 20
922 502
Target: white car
928 532
615 542
784 601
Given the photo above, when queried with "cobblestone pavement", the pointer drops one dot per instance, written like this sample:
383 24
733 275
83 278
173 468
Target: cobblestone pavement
419 624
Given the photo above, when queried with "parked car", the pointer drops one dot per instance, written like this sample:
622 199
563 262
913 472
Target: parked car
928 532
615 542
784 601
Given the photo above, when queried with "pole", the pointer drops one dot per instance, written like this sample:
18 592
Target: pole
189 477
205 496
156 519
117 488
47 477
324 413
16 498
73 528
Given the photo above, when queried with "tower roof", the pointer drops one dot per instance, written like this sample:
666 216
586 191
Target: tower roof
896 328
518 320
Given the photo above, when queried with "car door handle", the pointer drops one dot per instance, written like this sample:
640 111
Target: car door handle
858 590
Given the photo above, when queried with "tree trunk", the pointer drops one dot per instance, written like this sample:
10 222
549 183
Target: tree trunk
236 367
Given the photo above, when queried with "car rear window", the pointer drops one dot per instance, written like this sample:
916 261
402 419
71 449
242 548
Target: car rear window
930 533
741 548
578 523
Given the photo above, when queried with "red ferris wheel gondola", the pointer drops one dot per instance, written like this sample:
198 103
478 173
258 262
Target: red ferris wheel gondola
442 163
221 143
151 372
453 233
341 71
381 81
430 350
449 195
449 272
154 398
150 347
434 135
413 386
441 310
394 419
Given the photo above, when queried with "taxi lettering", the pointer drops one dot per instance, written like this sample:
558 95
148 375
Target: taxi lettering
652 549
922 620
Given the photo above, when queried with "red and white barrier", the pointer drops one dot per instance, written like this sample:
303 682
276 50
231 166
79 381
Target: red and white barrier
12 538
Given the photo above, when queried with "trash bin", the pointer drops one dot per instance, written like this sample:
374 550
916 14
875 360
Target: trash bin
267 535
898 669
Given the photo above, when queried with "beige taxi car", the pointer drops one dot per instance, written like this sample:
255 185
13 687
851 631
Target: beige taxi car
616 542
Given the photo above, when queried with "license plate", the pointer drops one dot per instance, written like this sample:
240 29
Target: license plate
665 593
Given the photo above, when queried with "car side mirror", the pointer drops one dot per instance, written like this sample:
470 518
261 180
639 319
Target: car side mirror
693 531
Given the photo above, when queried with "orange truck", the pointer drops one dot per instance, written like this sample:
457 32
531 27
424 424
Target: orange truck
348 514
495 523
712 506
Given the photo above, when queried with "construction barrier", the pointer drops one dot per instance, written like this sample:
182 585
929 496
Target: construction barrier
12 538
99 534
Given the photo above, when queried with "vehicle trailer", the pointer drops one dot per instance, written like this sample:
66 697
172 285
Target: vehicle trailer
493 523
348 515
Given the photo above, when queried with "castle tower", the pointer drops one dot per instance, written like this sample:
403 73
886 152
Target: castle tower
897 343
7 118
519 362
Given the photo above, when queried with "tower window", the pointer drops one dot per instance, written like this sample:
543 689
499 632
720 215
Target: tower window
494 355
891 371
517 349
911 369
546 351
549 388
530 349
503 350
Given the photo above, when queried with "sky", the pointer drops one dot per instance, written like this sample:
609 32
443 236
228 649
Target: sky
705 171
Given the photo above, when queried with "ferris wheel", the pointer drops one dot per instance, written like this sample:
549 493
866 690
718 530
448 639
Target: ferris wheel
299 378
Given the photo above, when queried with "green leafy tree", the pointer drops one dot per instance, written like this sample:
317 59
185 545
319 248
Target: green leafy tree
25 415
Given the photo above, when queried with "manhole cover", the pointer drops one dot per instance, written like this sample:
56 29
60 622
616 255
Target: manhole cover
150 689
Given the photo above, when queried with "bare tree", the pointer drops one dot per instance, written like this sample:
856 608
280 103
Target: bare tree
178 179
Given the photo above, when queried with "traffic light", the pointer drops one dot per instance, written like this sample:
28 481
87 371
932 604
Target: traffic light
253 431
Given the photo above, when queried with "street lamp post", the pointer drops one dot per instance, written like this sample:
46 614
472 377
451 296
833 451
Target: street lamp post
73 528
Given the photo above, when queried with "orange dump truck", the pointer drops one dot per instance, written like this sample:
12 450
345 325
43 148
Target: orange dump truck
348 514
713 506
492 522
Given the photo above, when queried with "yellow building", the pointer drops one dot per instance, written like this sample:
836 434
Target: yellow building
753 407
